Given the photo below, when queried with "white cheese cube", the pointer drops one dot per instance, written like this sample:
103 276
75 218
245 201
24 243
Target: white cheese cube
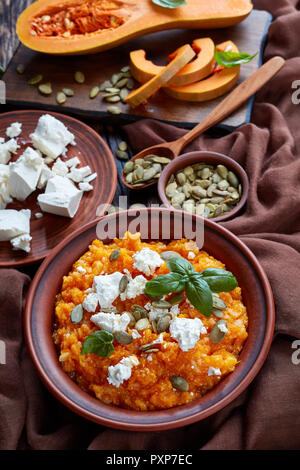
31 158
90 178
22 242
59 203
73 162
6 149
45 175
14 223
60 184
111 321
14 130
91 302
51 136
186 332
107 288
85 187
60 168
23 180
78 174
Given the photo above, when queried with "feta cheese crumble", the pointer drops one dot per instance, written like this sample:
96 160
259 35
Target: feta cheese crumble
135 287
107 288
90 303
14 223
191 255
111 321
22 242
213 371
186 332
14 130
122 371
6 149
222 327
147 261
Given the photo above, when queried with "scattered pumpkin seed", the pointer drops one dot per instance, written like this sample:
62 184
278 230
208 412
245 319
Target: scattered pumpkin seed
77 314
122 337
130 84
20 69
68 92
153 297
138 311
114 255
132 320
146 347
35 80
179 383
123 284
45 88
142 324
218 302
176 298
166 255
161 304
114 110
121 83
94 92
115 78
122 155
123 94
125 69
217 335
61 97
112 90
113 99
149 351
104 85
123 146
154 326
128 167
218 313
163 323
79 77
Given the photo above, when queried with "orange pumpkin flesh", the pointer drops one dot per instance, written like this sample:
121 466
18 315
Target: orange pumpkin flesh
216 85
87 26
183 57
143 70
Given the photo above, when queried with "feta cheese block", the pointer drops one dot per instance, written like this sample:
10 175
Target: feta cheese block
14 130
147 261
51 136
60 184
60 168
24 174
6 149
22 242
111 321
186 332
62 204
122 371
107 288
90 303
14 223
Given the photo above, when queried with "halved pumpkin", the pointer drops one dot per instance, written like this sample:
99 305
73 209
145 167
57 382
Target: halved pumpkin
216 85
140 95
143 70
87 26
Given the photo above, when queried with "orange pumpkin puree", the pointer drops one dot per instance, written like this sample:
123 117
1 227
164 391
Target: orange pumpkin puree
149 387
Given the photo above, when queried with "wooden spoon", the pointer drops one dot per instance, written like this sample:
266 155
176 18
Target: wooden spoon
233 101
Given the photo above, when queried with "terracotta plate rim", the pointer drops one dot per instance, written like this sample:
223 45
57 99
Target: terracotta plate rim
171 424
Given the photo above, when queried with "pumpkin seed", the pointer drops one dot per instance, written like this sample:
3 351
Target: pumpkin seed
217 335
122 337
179 383
218 302
161 304
94 92
104 85
77 314
79 77
153 297
123 284
125 69
116 91
142 324
123 94
123 146
128 167
115 78
166 255
222 171
45 88
114 110
61 97
132 320
114 255
176 299
129 178
154 326
20 69
130 84
163 323
233 179
109 310
200 208
205 173
68 92
35 80
138 311
149 173
218 313
178 199
157 159
113 99
181 178
121 83
149 351
122 155
146 347
198 192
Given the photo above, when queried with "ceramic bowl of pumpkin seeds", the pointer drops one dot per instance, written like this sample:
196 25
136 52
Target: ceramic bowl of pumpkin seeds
204 183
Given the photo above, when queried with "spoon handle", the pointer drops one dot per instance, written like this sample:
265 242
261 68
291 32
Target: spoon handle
234 100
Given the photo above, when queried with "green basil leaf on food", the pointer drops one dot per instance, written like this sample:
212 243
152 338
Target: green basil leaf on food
181 266
169 3
232 59
219 280
100 343
165 284
199 294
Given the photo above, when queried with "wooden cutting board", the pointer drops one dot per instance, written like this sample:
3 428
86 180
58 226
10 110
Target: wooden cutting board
250 36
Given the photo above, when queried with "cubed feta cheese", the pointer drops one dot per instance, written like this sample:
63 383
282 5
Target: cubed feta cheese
14 130
85 187
51 136
24 174
60 184
91 302
45 175
6 149
107 288
186 331
90 178
122 371
147 261
63 204
22 242
111 321
73 162
78 174
14 223
60 168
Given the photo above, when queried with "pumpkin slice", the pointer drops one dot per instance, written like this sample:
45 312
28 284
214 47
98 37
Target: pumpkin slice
216 85
183 57
143 70
88 26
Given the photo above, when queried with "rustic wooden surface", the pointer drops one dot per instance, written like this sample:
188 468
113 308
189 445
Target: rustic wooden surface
248 36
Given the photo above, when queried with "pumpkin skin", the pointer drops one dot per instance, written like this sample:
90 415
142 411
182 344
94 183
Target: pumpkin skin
143 70
212 87
118 22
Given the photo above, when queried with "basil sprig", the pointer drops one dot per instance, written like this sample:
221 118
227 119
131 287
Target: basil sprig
198 287
99 343
232 59
169 3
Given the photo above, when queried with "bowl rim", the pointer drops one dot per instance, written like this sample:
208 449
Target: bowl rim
180 422
188 158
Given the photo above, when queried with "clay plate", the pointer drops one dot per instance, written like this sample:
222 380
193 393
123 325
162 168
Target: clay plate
257 295
48 231
211 158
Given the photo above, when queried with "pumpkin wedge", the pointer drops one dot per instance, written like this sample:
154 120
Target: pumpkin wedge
183 57
212 87
143 70
65 27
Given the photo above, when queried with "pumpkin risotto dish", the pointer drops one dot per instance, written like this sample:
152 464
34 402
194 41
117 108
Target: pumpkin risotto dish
149 326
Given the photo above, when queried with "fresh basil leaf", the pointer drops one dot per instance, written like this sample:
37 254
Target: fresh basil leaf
180 266
100 343
199 294
232 59
169 3
165 284
219 280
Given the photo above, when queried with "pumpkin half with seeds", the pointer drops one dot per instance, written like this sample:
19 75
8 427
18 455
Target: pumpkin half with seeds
149 326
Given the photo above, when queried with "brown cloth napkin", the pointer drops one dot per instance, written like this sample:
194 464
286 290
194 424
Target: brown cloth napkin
267 414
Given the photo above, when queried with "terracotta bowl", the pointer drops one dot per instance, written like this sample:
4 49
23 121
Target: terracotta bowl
257 295
212 158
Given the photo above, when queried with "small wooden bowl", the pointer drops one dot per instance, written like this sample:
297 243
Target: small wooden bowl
211 158
220 243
